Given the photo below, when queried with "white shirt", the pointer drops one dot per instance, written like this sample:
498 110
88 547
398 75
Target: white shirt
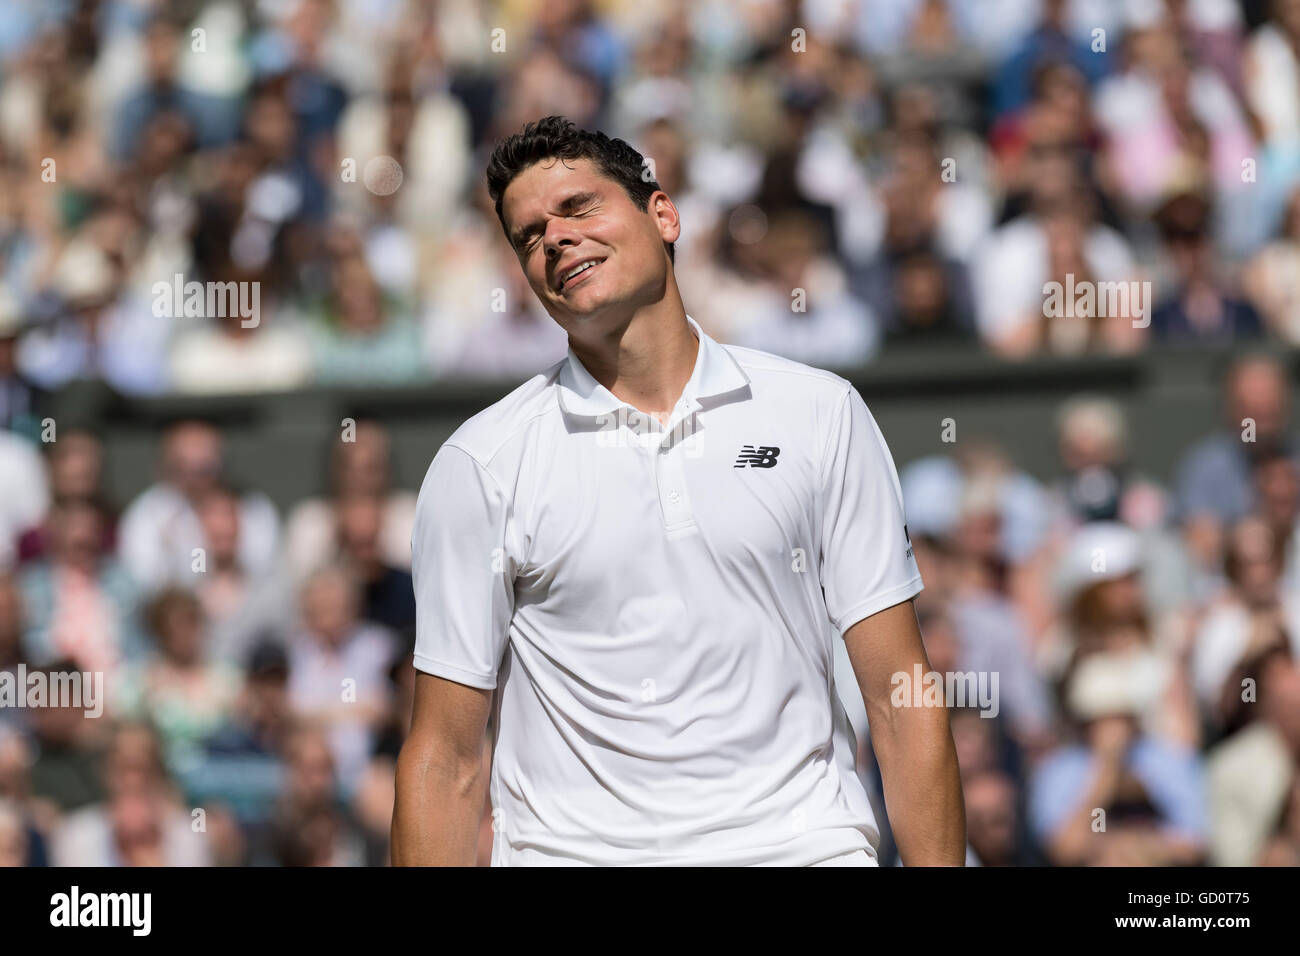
26 492
160 531
317 681
658 618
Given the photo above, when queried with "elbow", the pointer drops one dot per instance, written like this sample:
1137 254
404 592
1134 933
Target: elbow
429 766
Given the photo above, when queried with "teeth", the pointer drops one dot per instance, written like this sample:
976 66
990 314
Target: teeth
582 268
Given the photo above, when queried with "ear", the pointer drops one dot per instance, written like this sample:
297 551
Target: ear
665 215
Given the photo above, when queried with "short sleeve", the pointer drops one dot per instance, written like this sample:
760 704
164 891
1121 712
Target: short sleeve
463 569
866 554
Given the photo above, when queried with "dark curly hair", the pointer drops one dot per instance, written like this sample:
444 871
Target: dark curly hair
555 137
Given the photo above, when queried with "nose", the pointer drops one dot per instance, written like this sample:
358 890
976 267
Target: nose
559 235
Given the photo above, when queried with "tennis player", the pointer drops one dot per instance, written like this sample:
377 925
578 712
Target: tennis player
636 563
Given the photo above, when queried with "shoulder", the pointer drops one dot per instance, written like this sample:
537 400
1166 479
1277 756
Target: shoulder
1215 450
483 435
772 375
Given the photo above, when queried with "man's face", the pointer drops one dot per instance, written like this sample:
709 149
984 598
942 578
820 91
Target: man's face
1259 393
561 215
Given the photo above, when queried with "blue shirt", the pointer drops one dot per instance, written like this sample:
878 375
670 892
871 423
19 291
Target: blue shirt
1173 778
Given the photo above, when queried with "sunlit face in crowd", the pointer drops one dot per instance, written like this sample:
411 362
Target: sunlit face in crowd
76 464
192 458
219 516
560 215
329 607
1258 391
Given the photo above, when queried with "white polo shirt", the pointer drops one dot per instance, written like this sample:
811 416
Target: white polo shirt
657 605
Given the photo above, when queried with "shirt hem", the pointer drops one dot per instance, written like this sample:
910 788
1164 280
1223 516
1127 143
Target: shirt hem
451 672
878 602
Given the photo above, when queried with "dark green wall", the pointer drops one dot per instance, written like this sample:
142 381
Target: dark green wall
278 442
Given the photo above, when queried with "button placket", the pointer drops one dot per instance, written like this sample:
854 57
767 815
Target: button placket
670 477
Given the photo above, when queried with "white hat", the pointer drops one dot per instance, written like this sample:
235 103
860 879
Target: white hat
83 274
1100 551
931 494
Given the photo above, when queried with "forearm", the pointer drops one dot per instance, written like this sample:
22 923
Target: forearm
437 810
918 764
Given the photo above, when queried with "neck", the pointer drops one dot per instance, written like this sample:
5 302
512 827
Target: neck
646 361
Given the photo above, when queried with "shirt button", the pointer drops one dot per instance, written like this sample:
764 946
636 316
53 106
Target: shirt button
674 497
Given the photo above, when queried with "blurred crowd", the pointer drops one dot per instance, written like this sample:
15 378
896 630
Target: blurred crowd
911 173
256 670
1146 638
851 176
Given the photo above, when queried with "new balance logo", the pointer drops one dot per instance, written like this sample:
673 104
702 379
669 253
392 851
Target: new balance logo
764 456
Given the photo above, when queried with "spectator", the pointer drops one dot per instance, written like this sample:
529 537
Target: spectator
15 847
95 328
310 827
81 603
1108 626
1273 279
183 692
1201 307
240 606
140 823
991 632
338 667
1171 120
1118 797
75 463
1272 74
993 821
15 792
809 314
1099 484
388 593
364 341
1057 237
1050 41
206 117
161 530
926 299
67 757
1252 773
360 464
1214 485
1252 616
242 765
27 497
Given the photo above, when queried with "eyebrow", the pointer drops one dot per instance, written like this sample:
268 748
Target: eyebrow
566 207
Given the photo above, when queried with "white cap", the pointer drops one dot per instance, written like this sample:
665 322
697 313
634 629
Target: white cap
83 274
1100 551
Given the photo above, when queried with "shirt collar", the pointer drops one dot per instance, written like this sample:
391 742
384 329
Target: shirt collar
715 373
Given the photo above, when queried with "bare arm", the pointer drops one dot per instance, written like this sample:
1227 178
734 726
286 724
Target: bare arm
913 745
441 776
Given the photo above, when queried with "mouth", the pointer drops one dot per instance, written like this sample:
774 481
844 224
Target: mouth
576 273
